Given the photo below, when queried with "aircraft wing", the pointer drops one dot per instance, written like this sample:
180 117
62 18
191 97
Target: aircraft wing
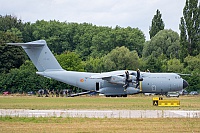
115 77
108 74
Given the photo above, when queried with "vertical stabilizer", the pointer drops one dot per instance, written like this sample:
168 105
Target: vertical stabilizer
40 54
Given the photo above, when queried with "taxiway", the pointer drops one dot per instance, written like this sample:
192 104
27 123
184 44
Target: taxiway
102 113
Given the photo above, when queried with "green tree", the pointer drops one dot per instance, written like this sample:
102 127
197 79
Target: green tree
183 40
108 39
150 64
20 80
85 39
102 43
94 65
164 42
27 32
25 79
156 25
70 61
155 64
10 56
121 58
190 29
10 31
7 22
192 64
174 65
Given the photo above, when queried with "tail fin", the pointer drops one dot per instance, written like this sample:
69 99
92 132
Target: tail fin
40 55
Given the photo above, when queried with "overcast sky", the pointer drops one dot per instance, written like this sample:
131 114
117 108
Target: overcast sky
133 13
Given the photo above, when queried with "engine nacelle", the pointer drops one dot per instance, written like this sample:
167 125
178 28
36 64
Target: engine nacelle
118 91
132 90
133 78
116 80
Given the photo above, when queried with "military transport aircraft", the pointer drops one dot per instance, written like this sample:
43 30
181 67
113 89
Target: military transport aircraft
114 83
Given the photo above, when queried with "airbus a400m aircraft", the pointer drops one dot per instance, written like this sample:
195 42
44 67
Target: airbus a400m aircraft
115 83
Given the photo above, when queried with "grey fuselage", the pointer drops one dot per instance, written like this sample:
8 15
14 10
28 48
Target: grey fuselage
152 82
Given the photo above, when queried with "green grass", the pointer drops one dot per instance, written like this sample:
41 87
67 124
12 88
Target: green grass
144 125
137 102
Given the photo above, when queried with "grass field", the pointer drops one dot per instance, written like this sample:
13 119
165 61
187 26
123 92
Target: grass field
61 125
130 103
136 102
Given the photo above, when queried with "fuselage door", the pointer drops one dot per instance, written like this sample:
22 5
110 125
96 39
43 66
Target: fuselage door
97 86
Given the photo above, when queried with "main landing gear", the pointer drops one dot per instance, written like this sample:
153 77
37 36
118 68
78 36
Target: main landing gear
125 95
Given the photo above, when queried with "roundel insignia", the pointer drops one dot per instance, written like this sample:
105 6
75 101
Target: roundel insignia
81 80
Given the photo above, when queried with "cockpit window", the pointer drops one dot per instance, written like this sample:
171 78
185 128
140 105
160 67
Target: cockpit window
177 77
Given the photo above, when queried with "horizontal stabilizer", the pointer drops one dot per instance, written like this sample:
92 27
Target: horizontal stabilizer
38 43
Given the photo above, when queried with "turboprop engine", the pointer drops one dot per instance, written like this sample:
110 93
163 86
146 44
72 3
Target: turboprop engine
132 90
121 79
116 79
109 90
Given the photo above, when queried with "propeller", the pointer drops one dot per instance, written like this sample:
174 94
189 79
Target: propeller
127 80
138 78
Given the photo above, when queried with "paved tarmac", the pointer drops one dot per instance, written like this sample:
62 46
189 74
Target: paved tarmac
102 113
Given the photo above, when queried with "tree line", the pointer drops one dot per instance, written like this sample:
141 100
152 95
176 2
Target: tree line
91 48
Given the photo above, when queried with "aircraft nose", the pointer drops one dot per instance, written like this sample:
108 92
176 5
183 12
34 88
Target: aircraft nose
185 84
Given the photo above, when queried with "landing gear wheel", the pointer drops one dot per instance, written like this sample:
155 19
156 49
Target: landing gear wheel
124 95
